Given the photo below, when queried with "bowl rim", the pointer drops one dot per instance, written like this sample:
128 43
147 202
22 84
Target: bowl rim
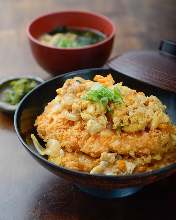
162 170
111 36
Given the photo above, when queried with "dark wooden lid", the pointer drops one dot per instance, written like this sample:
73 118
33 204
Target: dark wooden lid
157 68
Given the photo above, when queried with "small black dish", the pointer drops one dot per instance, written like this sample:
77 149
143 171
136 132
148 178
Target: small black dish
99 185
6 107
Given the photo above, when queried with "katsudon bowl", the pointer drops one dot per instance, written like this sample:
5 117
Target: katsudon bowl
105 186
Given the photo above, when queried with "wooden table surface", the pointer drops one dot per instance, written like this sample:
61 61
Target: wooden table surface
28 191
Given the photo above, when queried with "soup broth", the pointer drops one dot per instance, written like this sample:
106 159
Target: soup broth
65 37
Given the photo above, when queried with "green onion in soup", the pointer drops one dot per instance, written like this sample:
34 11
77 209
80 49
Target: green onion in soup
65 37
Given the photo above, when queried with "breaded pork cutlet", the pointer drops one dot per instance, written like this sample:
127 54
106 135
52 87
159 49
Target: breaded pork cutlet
101 127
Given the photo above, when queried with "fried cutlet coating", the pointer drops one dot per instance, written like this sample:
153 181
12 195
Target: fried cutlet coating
134 130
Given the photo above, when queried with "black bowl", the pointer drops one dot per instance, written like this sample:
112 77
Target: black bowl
106 186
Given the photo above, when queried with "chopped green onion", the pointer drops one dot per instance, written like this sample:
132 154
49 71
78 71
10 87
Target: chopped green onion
104 95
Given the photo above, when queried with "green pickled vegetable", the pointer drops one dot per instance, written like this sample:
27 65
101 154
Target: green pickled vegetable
17 89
